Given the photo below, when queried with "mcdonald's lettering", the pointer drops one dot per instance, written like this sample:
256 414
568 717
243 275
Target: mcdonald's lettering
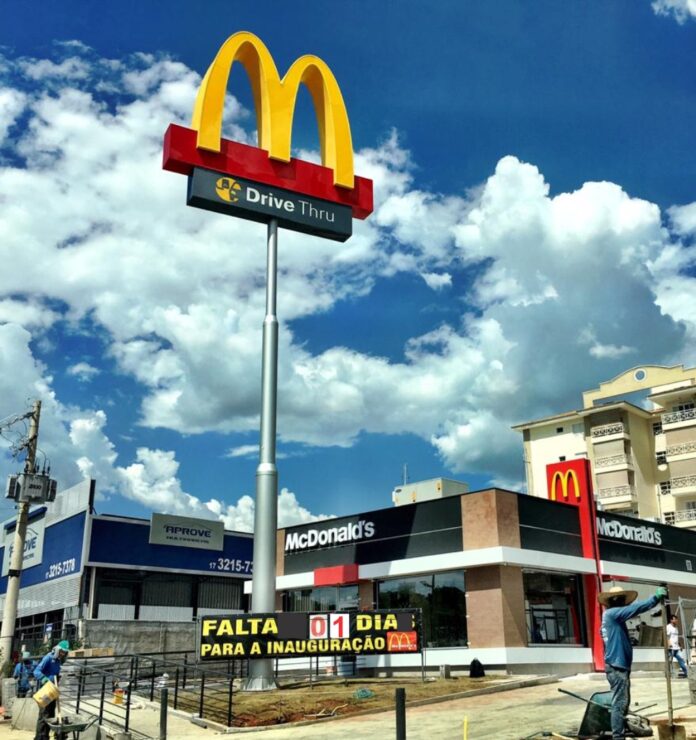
402 642
271 163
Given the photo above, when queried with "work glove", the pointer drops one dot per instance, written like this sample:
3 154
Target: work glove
661 593
43 680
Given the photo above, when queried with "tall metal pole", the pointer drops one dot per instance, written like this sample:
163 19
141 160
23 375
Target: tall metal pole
9 615
266 513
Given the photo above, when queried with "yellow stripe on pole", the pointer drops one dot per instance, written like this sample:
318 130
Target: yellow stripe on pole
466 728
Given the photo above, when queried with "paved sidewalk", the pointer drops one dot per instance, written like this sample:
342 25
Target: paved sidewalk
510 715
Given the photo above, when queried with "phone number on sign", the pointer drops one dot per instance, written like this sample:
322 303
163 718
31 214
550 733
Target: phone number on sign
231 565
62 568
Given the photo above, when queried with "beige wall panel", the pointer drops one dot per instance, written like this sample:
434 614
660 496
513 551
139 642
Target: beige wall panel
678 468
280 552
609 480
485 621
677 436
613 447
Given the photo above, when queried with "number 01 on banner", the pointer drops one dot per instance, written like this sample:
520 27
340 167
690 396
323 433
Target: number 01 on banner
322 626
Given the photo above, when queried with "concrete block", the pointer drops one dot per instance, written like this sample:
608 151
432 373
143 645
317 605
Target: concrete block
8 689
25 712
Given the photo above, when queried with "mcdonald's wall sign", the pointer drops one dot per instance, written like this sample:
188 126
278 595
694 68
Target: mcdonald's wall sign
264 182
568 482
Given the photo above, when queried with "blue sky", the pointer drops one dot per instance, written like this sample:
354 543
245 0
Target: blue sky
535 183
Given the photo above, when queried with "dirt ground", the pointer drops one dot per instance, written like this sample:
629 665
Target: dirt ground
300 701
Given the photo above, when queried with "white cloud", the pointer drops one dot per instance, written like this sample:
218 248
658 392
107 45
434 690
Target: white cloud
682 10
437 280
83 371
11 104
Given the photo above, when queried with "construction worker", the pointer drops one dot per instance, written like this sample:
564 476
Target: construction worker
23 673
618 653
49 670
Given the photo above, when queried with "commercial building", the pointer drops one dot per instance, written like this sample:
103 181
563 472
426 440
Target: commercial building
639 433
84 574
506 578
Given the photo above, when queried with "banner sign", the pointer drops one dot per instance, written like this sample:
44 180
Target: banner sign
301 634
33 546
254 201
183 531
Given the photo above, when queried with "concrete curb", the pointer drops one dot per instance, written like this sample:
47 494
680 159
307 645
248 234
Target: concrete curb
507 686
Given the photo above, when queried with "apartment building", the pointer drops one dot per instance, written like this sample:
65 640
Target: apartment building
639 433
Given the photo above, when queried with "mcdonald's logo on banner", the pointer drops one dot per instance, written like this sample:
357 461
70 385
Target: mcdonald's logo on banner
402 642
271 164
568 481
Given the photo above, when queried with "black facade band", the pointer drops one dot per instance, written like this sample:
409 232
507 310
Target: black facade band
13 573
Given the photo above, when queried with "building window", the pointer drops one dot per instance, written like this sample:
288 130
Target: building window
661 458
665 487
562 458
441 597
657 428
552 609
559 430
687 406
322 599
578 428
669 517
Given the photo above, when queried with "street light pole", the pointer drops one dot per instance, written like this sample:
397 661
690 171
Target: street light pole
266 512
9 616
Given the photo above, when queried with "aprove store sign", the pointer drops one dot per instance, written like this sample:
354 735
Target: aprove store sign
182 531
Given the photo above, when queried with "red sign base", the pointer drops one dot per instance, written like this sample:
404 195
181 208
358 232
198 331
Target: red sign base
252 163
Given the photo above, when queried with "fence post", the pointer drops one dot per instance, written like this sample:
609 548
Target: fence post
79 689
101 701
229 704
152 685
400 714
183 681
176 687
164 698
135 679
200 705
129 693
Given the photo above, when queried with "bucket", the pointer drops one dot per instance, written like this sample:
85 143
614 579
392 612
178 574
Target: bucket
46 694
118 696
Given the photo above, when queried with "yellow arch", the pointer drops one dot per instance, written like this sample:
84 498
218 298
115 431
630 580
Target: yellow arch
275 103
565 478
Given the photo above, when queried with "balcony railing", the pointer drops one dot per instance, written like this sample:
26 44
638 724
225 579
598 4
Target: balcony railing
672 417
605 462
681 449
687 515
625 490
684 481
606 430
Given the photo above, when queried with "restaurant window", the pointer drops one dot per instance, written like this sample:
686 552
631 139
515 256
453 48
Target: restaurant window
552 609
440 596
645 630
322 599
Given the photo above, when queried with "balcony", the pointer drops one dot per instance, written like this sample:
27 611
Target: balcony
675 419
607 432
613 462
617 497
682 451
686 518
684 485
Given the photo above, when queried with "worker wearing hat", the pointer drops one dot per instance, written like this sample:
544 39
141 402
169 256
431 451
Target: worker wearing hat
620 605
49 670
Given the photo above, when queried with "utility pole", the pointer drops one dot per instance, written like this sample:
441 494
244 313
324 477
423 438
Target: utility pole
12 596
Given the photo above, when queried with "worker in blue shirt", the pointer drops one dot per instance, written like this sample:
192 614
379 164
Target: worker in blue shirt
620 606
23 672
49 670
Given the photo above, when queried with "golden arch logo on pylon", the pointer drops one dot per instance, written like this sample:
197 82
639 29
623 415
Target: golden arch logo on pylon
561 485
402 642
275 100
271 163
568 481
228 189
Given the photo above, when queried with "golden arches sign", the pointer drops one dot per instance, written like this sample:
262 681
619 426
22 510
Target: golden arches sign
275 103
564 478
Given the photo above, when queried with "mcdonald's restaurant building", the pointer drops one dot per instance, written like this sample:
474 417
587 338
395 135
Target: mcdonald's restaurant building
503 577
